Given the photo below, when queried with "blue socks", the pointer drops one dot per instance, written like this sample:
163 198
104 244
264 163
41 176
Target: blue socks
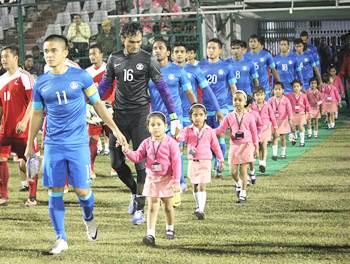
182 179
56 211
87 205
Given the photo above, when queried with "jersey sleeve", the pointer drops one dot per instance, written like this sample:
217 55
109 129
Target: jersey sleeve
154 70
28 83
38 102
270 62
184 81
89 88
231 75
107 80
252 72
202 81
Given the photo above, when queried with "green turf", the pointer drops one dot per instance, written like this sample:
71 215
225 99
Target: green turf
300 215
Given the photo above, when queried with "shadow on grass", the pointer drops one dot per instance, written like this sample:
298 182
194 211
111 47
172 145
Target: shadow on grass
320 211
261 248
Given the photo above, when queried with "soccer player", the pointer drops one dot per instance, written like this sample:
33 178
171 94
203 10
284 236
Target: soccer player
263 62
310 49
178 83
287 66
133 67
244 70
61 94
15 106
221 79
192 55
97 70
197 79
306 63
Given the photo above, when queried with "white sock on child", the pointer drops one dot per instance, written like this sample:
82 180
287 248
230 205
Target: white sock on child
302 137
151 232
274 150
283 151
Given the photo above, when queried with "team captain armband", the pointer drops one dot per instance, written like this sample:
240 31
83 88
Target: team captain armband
92 94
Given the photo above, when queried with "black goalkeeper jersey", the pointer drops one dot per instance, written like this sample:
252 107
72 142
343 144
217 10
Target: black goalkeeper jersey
132 72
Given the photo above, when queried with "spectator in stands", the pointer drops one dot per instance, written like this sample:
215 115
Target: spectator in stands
38 59
106 39
29 66
344 72
79 34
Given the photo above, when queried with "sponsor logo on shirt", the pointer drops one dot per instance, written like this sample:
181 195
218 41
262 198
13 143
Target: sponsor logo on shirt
74 85
16 82
140 66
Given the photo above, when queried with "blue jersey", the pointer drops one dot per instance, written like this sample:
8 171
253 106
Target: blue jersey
263 62
177 81
219 76
307 64
288 69
63 98
197 79
244 72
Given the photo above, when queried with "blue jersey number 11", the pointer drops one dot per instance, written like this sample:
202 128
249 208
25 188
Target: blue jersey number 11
65 101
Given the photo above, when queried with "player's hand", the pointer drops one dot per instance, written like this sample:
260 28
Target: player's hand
29 152
125 147
220 116
121 140
221 166
21 127
256 152
175 127
275 134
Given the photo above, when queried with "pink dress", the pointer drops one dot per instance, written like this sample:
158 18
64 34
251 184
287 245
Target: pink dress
268 120
338 83
258 122
243 137
283 113
315 100
163 165
300 106
199 147
331 98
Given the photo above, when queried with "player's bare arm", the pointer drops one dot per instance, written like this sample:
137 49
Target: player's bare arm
34 126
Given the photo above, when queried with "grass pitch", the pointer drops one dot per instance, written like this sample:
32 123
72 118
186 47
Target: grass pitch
300 214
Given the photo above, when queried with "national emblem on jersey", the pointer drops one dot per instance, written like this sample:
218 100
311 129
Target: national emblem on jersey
140 66
74 85
221 72
290 62
171 77
262 59
244 68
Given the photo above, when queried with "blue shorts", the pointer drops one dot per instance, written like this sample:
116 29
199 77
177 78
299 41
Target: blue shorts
61 161
212 120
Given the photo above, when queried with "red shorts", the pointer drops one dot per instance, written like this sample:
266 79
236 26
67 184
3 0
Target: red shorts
95 130
16 145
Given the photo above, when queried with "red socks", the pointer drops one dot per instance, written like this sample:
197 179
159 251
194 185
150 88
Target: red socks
4 178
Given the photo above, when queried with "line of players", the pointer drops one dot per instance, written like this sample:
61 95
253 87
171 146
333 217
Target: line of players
244 71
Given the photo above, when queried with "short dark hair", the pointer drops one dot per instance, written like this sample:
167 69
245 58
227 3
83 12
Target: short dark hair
259 90
216 40
254 36
180 44
160 115
296 81
28 57
244 44
96 46
313 79
55 37
304 34
131 28
332 66
192 48
13 49
279 83
236 42
298 41
160 39
261 40
284 39
76 14
326 77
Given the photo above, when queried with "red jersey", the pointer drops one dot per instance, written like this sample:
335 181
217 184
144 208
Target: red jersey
97 75
15 96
